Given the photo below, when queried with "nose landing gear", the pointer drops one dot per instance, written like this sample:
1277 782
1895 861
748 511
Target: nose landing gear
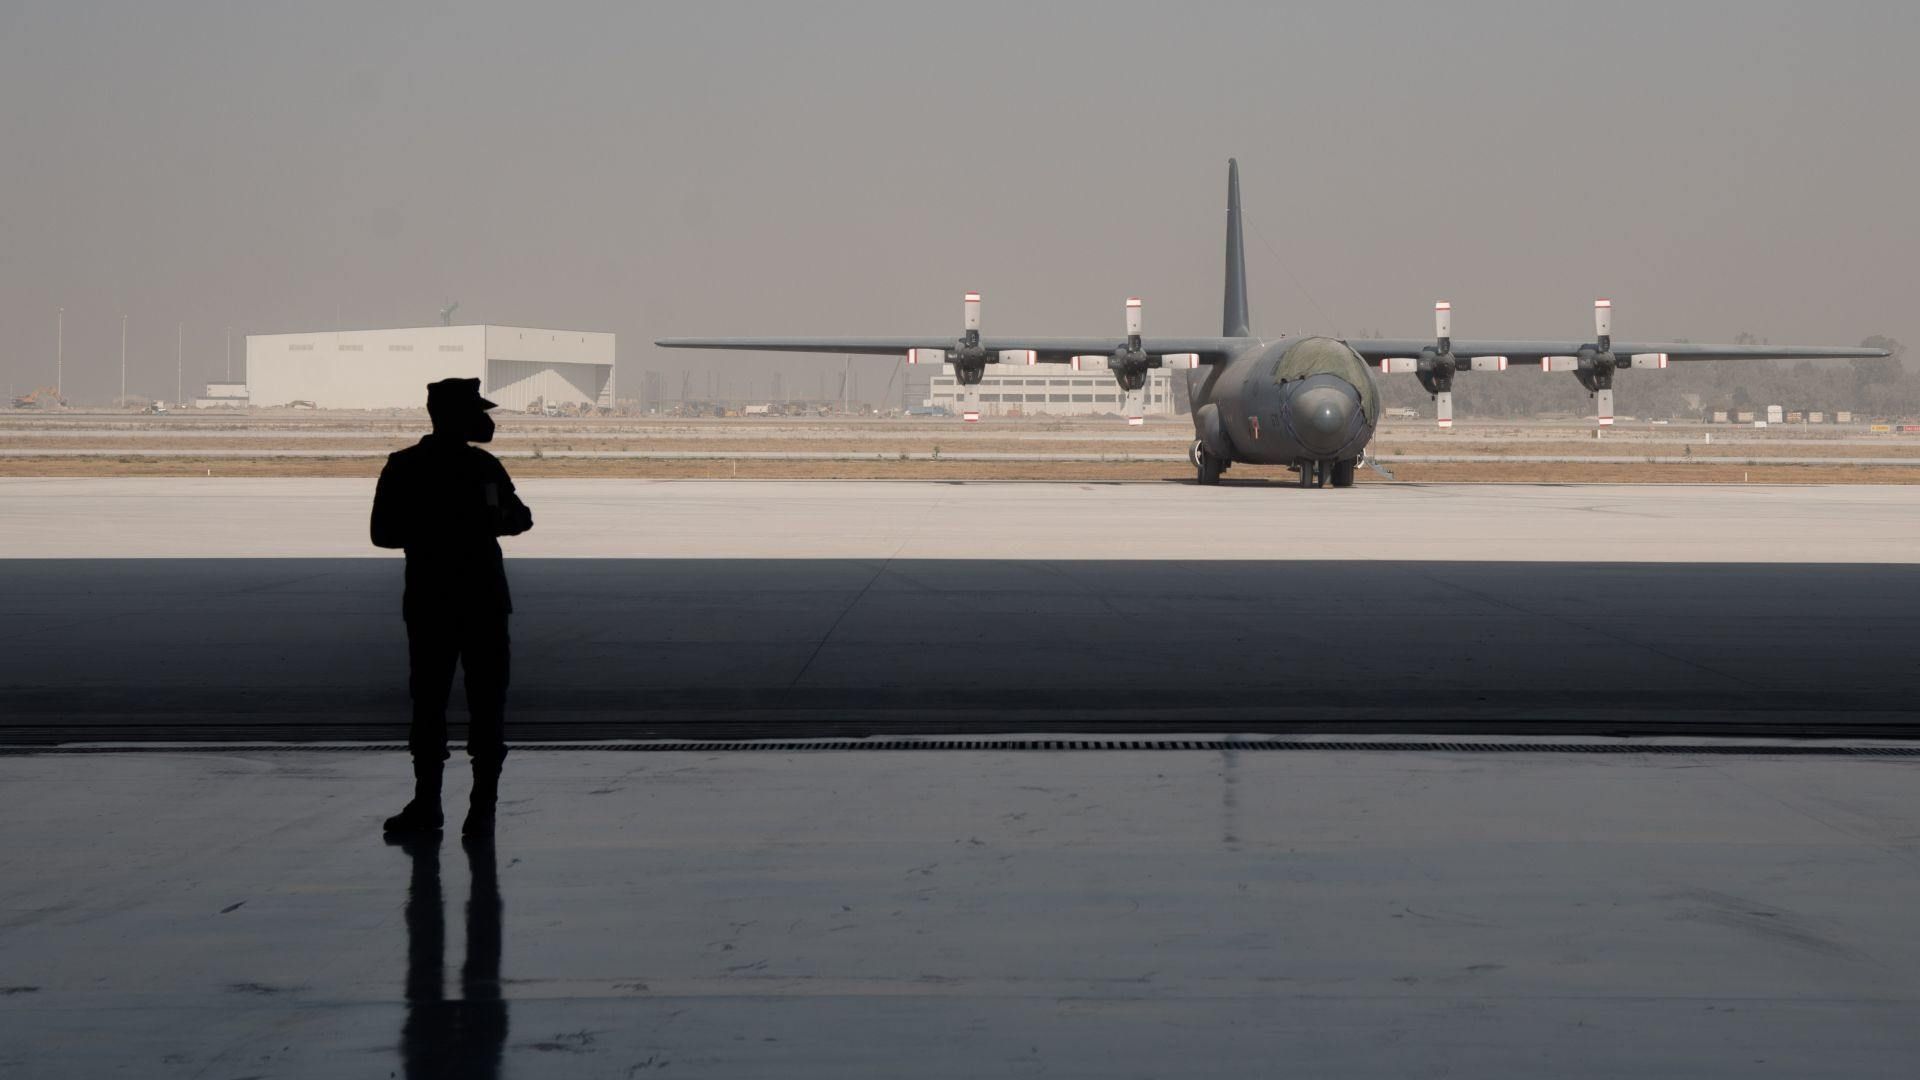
1315 474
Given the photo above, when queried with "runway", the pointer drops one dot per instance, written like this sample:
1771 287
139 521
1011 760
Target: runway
254 610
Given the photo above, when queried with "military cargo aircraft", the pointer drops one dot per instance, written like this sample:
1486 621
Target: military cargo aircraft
1305 402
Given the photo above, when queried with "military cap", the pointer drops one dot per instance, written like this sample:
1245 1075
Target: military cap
449 394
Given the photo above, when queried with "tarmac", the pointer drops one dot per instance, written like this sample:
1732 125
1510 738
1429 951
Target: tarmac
255 610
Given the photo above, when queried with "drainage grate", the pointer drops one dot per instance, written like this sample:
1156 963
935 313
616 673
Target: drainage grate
1017 745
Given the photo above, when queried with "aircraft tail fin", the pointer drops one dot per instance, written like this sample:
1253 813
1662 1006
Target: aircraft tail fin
1234 321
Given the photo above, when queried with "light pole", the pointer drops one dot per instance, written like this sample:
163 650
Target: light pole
123 358
60 356
229 354
178 329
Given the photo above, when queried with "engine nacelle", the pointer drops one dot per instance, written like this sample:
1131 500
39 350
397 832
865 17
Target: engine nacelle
1212 435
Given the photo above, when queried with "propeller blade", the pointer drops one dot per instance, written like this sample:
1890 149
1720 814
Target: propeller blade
1399 365
1487 363
1559 363
973 311
1026 357
1133 316
1180 360
1649 359
970 405
926 356
1443 320
1090 362
1135 407
1603 319
1443 407
1605 400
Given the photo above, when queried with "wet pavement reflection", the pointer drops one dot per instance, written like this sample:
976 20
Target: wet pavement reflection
463 1036
980 913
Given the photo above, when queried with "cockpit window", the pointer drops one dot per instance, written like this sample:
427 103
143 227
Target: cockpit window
1325 356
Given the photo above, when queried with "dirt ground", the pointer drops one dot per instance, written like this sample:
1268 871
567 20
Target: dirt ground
110 444
921 443
1512 473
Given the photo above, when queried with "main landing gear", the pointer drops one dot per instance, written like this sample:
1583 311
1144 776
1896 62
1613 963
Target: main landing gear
1207 467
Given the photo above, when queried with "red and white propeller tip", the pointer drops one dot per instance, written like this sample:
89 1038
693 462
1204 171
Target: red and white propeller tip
1603 318
973 311
1443 320
1133 316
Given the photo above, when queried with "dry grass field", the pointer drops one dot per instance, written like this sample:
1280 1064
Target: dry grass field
278 443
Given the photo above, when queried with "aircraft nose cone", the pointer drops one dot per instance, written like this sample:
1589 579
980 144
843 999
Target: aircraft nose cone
1322 417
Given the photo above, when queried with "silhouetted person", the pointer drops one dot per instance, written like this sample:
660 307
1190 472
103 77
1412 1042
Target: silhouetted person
446 503
461 1038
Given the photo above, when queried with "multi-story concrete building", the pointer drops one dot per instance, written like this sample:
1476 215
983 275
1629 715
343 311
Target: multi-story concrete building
1052 389
390 369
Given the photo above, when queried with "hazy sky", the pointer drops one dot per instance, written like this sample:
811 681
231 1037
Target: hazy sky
832 168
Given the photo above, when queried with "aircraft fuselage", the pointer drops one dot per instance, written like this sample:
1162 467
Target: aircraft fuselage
1296 401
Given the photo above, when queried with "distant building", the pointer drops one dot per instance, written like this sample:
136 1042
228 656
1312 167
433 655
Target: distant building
390 369
218 395
1053 389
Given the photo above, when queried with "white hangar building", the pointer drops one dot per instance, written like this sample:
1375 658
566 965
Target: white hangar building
390 369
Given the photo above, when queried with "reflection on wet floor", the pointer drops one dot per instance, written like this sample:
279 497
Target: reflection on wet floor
463 1036
198 916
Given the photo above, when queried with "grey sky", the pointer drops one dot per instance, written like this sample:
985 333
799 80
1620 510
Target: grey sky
789 168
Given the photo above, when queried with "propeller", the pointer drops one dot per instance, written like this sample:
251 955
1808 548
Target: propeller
1595 364
1129 365
970 359
1436 364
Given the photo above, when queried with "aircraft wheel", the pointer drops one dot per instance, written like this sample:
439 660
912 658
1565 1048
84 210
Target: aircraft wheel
1343 473
1210 468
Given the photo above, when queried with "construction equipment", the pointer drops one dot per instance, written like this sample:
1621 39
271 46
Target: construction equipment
46 397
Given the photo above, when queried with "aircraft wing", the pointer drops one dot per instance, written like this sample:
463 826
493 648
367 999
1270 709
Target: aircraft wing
1403 355
1530 352
1047 350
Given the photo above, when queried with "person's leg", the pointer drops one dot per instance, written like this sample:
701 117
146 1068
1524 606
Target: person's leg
486 656
433 646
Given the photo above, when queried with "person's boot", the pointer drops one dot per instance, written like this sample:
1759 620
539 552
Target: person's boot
486 791
423 813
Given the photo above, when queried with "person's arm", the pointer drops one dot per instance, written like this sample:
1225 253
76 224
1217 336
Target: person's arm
511 516
389 510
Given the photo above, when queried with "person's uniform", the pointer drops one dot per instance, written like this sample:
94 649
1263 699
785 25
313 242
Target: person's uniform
446 502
